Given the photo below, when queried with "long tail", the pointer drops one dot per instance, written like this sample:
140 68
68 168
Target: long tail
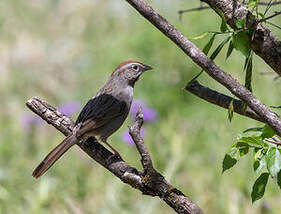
54 155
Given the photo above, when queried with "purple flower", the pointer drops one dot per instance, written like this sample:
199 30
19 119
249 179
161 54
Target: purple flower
69 108
149 114
29 120
126 137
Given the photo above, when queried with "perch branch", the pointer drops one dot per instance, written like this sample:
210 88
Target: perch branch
207 64
221 100
264 43
149 182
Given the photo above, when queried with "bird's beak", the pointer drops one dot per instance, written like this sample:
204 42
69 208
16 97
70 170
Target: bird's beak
147 67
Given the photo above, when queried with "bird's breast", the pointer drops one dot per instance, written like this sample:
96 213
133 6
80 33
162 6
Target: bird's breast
126 94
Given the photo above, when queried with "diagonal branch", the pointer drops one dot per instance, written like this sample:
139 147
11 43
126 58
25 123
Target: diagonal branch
149 182
264 43
207 64
221 100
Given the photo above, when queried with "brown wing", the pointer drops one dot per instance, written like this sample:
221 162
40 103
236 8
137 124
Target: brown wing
98 111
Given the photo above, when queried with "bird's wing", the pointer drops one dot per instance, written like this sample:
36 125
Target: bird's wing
98 111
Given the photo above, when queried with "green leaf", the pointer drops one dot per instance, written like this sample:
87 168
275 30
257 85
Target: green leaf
249 69
228 162
194 78
218 49
273 161
253 140
259 187
223 26
258 153
234 152
243 148
275 106
219 12
229 50
240 23
259 159
255 129
230 110
250 31
201 36
252 3
208 46
279 179
241 42
258 165
261 15
267 132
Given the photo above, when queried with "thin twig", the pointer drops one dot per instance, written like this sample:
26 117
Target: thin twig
221 100
180 12
274 25
271 3
268 6
149 182
193 9
270 17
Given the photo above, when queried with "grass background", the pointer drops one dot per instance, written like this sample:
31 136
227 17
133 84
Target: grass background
64 50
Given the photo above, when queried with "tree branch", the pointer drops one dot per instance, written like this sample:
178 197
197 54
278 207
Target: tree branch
207 64
264 43
149 182
221 100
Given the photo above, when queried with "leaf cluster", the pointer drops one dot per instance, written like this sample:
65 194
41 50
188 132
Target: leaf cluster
266 158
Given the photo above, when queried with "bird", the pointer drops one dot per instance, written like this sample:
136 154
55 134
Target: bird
103 114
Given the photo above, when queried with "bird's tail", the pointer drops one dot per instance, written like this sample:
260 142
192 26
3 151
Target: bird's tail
54 155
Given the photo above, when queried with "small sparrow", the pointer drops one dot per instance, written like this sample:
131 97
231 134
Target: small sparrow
103 114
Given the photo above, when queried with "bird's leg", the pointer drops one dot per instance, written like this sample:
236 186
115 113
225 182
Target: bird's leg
112 149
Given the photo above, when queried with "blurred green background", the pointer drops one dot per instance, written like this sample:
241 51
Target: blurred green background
64 50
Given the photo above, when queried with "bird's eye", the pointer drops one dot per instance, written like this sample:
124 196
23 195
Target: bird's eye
135 67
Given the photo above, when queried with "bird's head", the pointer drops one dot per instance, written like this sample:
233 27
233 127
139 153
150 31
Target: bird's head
129 71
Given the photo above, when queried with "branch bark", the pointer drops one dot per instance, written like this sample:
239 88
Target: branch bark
150 182
221 100
264 43
207 64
